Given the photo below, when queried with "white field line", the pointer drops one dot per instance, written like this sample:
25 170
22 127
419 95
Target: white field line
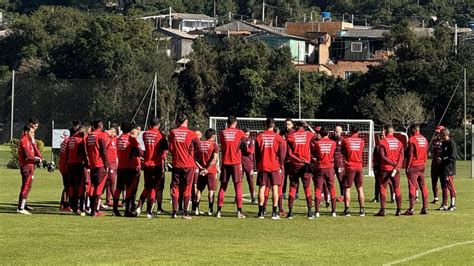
429 252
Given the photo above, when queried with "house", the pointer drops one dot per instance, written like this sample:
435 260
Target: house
185 22
359 45
176 44
329 27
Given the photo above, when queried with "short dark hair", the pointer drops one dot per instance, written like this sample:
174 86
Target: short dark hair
72 131
33 120
288 119
414 127
323 132
126 127
388 127
300 124
270 122
354 129
96 123
76 123
115 126
209 133
27 128
231 120
181 118
246 129
155 122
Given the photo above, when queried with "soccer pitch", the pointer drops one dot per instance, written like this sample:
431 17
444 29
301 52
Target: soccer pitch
50 237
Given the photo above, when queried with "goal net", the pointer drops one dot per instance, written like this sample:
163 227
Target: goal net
257 125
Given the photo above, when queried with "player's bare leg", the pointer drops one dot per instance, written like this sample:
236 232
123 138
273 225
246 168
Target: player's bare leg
261 201
275 196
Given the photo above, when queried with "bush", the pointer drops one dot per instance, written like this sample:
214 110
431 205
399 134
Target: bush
13 163
40 145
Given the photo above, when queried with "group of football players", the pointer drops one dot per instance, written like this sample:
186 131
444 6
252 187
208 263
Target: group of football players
92 159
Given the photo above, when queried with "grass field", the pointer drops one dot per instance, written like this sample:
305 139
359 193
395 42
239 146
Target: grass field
49 237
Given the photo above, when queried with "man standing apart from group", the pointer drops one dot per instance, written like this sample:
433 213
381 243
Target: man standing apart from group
352 149
448 155
415 168
391 156
270 155
339 160
233 142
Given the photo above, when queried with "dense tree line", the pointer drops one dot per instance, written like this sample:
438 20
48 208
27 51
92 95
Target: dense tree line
107 61
375 12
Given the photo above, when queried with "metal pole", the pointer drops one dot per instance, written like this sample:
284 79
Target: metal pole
155 84
52 131
455 38
170 24
465 116
472 148
13 104
299 94
263 11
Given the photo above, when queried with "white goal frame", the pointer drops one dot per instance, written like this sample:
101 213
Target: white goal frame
369 145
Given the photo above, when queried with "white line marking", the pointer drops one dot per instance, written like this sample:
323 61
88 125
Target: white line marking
429 252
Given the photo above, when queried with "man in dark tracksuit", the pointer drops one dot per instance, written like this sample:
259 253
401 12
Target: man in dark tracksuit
448 158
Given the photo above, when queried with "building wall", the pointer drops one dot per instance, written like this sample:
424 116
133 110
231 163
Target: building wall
298 51
344 69
301 28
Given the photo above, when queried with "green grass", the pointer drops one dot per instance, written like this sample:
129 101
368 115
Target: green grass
49 237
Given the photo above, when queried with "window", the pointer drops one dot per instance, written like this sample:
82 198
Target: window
356 47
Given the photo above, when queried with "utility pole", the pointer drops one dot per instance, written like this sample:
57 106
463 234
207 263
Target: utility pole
465 116
456 38
276 21
170 22
13 104
263 12
214 9
155 84
230 16
299 94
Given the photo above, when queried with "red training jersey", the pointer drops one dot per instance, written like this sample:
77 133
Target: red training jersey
338 156
112 150
417 150
352 149
151 139
249 155
183 145
63 157
96 145
324 152
232 140
76 150
206 155
270 151
26 151
299 146
391 153
128 151
436 152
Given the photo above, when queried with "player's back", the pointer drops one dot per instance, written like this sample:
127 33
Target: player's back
393 151
76 149
324 151
206 153
151 140
300 144
268 145
93 148
230 140
420 153
353 148
182 148
127 149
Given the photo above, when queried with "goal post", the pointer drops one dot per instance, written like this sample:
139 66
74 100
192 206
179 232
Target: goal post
257 125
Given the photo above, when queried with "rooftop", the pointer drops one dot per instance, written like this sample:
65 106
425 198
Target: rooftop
176 33
364 33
